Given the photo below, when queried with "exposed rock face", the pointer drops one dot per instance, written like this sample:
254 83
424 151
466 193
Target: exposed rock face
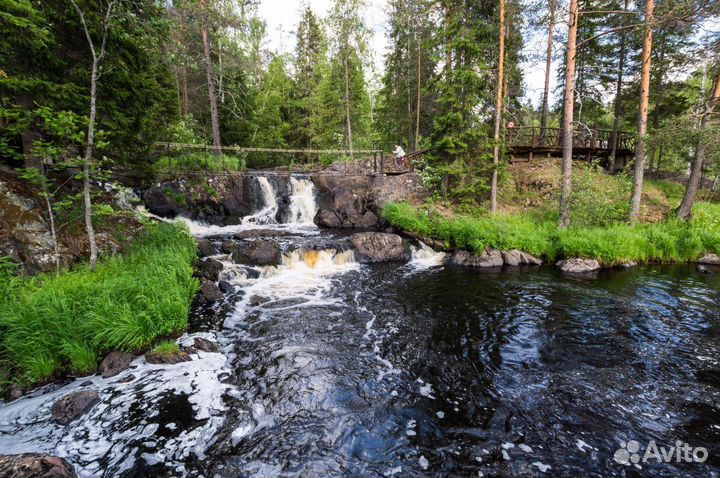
24 233
170 359
489 258
205 247
73 405
35 465
578 266
379 247
209 268
114 363
258 253
356 201
209 292
520 258
711 259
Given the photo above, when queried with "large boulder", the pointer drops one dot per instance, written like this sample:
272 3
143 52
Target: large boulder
160 203
205 247
209 268
710 259
578 266
489 258
73 405
35 465
168 359
258 253
209 292
520 258
379 247
114 363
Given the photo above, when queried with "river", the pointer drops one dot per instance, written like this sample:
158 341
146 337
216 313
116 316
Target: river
329 367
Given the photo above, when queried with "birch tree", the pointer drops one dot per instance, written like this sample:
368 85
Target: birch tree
98 54
498 110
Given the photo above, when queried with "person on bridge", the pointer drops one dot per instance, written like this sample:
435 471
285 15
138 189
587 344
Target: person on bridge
399 156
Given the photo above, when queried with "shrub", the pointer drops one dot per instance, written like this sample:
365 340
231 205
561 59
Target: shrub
68 321
166 347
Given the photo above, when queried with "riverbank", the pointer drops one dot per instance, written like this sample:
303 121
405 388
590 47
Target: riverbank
52 326
664 241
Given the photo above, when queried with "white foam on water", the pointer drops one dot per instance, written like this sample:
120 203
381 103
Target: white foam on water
103 439
424 257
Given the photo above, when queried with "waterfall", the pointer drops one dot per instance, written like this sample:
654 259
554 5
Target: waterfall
266 215
424 257
302 201
321 261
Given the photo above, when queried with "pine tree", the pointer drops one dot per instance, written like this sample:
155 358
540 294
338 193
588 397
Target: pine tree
310 67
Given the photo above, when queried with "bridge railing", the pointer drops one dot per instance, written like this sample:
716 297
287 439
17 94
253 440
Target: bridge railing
533 138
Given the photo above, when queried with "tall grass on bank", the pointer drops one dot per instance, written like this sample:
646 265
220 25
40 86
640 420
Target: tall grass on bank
667 241
68 322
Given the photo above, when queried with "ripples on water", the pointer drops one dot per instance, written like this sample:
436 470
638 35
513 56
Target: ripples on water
334 368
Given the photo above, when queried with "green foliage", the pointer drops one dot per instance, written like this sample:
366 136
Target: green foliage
166 347
184 131
668 241
126 304
201 161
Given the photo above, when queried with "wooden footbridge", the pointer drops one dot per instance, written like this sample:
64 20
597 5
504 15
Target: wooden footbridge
521 144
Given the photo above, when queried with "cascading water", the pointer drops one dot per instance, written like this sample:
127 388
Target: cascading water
267 214
302 201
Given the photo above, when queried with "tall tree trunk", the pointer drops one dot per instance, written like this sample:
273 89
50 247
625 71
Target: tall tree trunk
615 135
90 144
498 110
641 148
186 91
214 120
567 127
656 112
684 211
86 166
419 93
347 104
548 70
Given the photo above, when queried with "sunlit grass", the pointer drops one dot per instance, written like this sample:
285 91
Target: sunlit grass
68 322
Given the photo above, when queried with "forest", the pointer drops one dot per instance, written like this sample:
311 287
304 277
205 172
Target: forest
359 238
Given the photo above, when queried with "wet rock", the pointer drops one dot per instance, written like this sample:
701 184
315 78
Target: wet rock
35 465
15 392
520 258
710 259
578 266
228 247
259 253
114 363
327 218
628 264
489 258
209 268
706 270
205 345
226 287
205 247
169 359
128 378
73 405
209 292
378 247
159 203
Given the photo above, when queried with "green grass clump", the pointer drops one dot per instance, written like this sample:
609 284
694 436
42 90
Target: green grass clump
67 322
666 241
166 347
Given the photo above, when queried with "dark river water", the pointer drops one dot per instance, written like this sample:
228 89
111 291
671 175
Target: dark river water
454 372
332 368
